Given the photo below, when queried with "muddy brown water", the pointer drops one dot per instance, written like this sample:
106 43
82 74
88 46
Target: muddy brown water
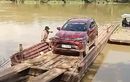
93 69
24 23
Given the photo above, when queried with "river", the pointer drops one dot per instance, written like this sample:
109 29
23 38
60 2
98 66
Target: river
24 23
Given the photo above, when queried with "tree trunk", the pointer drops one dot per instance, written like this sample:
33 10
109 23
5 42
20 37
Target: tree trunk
86 1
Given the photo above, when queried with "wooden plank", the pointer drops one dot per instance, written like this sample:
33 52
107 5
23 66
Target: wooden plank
29 53
49 75
35 52
51 62
41 60
66 62
13 70
121 35
34 48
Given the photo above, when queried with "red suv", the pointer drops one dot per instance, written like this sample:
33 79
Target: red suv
76 34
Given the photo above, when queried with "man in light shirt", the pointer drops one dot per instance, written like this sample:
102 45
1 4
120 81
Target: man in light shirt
45 34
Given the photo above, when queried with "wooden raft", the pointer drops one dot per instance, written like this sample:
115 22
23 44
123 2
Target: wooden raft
51 67
121 35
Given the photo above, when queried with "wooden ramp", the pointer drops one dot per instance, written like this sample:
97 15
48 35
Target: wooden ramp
49 75
121 35
29 53
11 73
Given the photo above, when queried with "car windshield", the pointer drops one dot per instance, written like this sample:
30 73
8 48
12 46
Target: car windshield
75 27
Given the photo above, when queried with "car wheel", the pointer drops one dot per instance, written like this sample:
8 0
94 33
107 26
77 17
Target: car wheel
95 40
86 50
54 51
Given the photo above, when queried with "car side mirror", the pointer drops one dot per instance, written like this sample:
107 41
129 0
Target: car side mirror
58 28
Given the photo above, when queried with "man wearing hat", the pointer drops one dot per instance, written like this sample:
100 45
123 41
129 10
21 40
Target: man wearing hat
45 34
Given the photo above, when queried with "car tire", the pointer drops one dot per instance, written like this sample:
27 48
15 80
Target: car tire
54 51
95 40
86 50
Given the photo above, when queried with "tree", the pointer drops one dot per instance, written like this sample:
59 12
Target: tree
122 1
86 1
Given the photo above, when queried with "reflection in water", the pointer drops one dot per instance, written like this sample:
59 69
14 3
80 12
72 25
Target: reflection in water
24 23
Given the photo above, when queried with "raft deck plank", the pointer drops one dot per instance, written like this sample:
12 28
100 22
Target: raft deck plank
49 75
121 35
13 70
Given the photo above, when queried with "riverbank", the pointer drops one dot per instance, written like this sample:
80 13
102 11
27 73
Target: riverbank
49 2
61 2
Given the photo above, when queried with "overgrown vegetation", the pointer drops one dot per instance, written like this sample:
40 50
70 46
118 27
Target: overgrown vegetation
85 1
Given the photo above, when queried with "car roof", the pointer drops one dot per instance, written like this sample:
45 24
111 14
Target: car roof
85 20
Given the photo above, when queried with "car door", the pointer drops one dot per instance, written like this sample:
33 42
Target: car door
91 32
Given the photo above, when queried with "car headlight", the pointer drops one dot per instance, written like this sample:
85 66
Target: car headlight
56 37
78 39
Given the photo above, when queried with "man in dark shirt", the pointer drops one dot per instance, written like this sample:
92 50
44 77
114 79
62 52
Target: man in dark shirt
124 22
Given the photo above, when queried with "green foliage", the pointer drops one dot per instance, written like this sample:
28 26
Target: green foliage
86 1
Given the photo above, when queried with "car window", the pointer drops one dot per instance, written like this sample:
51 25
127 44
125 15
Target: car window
75 26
